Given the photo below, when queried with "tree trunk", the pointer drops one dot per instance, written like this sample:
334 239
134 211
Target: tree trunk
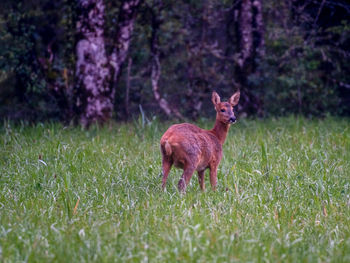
125 28
258 29
156 68
58 84
251 44
127 89
250 31
94 93
245 32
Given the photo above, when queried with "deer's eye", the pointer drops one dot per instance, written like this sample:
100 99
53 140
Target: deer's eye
222 110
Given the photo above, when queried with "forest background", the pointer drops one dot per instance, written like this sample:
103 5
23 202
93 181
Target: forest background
92 61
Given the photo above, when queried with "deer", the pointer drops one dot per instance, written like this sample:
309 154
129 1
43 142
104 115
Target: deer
190 148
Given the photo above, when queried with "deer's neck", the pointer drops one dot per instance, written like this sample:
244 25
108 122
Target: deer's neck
220 130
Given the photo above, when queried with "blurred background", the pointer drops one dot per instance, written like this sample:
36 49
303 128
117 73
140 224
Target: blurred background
93 61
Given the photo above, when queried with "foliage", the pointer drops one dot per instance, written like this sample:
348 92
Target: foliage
305 69
38 54
69 194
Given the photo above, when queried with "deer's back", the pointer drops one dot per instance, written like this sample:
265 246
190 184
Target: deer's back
189 142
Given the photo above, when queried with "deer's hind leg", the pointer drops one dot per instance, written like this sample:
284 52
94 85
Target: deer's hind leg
166 166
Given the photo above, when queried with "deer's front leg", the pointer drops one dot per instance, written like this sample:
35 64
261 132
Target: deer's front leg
185 178
201 180
213 176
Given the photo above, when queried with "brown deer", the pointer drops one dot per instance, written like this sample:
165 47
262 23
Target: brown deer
194 149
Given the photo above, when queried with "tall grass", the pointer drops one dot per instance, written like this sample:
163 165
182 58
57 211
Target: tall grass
67 194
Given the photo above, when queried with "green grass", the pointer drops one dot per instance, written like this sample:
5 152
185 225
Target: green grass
283 195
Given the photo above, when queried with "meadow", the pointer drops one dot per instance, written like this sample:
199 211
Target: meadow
71 195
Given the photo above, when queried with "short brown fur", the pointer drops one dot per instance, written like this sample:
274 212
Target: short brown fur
191 148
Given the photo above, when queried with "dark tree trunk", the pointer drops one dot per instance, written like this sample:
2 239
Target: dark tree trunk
259 28
156 68
245 33
127 89
251 44
60 89
125 28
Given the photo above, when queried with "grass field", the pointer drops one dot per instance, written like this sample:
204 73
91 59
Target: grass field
69 195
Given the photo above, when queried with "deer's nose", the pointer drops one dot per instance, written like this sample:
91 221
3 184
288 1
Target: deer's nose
232 119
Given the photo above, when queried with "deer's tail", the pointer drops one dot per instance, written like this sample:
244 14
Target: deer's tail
166 148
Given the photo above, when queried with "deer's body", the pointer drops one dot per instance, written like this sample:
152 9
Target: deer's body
189 143
191 148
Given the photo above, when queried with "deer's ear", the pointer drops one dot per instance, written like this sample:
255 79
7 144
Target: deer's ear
215 98
234 98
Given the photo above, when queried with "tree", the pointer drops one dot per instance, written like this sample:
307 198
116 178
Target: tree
96 71
169 110
94 100
250 46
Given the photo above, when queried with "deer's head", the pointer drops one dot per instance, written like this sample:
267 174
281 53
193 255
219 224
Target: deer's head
224 110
